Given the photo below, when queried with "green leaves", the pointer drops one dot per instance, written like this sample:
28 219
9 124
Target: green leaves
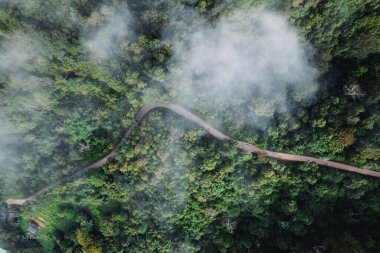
172 188
77 129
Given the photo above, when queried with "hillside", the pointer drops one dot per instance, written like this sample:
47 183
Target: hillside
297 77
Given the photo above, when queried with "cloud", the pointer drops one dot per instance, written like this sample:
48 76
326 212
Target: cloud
168 188
106 29
7 138
16 51
23 95
19 55
254 56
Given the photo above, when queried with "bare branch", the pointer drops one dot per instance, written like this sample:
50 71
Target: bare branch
229 224
354 91
83 147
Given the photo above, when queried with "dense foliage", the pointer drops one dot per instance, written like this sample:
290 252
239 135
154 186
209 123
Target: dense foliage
172 188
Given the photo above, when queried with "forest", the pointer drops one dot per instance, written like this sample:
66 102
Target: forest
299 77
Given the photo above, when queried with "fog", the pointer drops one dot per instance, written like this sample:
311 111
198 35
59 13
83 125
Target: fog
27 95
105 30
16 51
248 55
24 54
169 188
254 56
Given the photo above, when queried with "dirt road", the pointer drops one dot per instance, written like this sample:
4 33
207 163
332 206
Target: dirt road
207 127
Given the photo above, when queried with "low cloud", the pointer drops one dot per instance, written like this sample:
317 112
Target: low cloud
252 56
106 29
16 51
168 187
23 95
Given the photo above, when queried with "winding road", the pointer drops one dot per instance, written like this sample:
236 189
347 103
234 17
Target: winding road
247 147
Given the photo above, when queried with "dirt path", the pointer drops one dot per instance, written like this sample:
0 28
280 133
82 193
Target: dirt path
212 131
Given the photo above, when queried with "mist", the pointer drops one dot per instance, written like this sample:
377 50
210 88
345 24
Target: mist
7 138
16 51
27 95
168 185
255 56
248 55
27 118
106 29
